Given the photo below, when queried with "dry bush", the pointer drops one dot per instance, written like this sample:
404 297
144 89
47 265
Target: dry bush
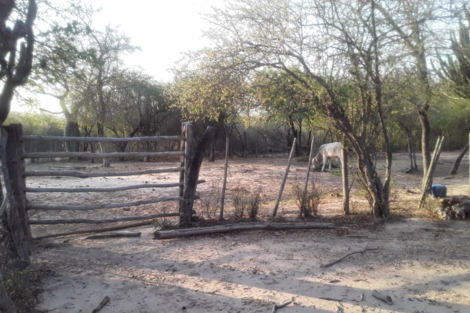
313 198
255 201
209 203
245 201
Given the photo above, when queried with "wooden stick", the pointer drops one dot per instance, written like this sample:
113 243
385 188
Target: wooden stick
96 230
385 298
98 206
90 155
101 174
108 220
344 257
101 305
304 196
222 201
97 139
429 173
280 306
284 179
167 234
115 235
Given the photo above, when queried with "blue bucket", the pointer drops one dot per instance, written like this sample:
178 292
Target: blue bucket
438 191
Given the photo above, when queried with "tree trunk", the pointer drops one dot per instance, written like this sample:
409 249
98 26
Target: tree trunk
425 143
72 129
344 169
454 169
411 153
100 129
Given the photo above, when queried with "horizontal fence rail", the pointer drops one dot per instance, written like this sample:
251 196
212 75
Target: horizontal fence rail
90 155
45 207
108 189
131 187
102 174
107 220
98 139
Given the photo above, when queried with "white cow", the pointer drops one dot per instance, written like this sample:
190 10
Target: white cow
326 153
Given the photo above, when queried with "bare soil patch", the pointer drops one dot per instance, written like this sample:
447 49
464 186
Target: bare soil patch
422 264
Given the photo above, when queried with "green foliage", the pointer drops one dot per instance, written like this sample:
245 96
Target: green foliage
38 123
209 94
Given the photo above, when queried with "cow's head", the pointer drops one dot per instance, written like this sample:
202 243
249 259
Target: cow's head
315 164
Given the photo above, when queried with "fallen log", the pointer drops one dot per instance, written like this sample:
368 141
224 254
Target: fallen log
115 235
167 234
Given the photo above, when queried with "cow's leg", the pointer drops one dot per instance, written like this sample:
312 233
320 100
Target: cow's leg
324 160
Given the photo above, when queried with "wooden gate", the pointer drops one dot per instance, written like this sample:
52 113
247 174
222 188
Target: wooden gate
17 177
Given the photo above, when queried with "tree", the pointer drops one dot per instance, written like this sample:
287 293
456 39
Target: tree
339 49
102 64
416 24
15 66
141 106
283 97
456 71
60 57
210 94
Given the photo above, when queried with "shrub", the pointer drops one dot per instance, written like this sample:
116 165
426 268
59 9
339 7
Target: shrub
313 198
210 203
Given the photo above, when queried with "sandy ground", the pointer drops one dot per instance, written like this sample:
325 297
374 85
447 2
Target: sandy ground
423 265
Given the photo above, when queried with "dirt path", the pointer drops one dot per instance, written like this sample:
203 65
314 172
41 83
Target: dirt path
423 265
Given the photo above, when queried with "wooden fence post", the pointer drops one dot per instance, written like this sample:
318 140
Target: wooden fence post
304 196
345 176
13 204
182 173
285 178
193 175
16 170
222 204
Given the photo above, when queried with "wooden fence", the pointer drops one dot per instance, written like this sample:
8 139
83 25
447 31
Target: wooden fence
15 175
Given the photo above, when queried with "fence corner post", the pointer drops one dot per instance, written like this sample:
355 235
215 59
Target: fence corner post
192 173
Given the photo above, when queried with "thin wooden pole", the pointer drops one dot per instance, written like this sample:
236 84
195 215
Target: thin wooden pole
183 172
304 196
429 173
345 176
284 179
227 144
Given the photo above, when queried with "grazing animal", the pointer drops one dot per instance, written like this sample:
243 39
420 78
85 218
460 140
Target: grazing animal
326 153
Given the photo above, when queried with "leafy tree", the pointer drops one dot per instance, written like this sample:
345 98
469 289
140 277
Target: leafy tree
141 106
210 94
415 25
339 49
60 58
284 98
